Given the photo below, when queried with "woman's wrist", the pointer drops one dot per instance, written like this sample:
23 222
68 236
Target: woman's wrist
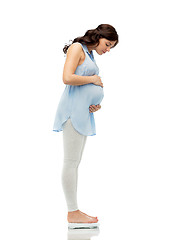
92 79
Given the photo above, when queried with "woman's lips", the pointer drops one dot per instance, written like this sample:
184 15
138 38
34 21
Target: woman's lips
104 52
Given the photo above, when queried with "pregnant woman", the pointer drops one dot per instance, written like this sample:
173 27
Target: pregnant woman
74 116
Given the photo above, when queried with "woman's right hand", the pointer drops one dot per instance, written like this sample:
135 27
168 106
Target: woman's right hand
97 80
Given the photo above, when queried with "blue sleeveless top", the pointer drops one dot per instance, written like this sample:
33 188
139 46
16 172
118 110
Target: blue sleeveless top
75 100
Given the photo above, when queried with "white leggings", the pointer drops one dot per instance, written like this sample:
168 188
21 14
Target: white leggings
74 144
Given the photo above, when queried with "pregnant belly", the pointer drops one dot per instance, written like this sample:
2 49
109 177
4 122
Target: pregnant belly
93 93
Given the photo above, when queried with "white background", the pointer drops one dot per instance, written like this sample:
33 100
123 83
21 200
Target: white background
133 172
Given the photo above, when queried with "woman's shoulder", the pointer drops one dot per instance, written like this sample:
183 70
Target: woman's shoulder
76 47
76 50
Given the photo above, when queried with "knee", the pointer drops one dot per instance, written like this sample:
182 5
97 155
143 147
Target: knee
71 163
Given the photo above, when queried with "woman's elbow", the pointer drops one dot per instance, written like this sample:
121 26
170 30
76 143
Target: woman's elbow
66 79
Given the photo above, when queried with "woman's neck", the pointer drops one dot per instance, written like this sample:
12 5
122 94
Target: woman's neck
90 48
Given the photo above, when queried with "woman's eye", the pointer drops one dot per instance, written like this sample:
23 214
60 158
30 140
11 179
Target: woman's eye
107 45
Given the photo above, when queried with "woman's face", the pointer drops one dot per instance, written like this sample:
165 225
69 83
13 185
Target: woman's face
104 46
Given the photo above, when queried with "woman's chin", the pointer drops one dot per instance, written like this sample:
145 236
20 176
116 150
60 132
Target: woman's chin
100 52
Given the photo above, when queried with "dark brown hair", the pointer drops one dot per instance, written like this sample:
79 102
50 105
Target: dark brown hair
92 36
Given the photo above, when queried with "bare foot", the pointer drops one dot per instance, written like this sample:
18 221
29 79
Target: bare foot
79 217
88 215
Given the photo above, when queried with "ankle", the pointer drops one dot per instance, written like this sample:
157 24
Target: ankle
73 212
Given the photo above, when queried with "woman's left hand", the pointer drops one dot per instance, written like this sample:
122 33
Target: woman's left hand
94 108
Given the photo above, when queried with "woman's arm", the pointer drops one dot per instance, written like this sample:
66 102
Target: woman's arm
71 63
